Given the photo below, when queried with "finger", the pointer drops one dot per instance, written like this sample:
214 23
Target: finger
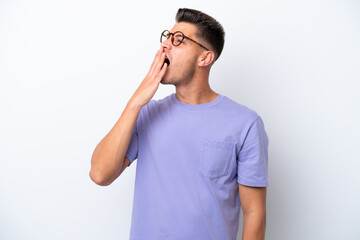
162 72
156 60
161 62
157 65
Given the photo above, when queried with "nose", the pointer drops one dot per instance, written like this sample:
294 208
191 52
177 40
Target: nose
167 44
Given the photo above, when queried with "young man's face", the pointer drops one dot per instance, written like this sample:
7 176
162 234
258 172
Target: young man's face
183 58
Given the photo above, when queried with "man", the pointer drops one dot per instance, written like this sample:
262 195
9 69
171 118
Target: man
201 156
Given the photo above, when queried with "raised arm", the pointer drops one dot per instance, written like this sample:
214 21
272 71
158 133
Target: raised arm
108 160
109 155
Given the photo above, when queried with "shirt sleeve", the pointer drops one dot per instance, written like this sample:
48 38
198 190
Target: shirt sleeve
133 149
252 167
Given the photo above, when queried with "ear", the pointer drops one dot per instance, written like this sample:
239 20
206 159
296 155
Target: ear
206 58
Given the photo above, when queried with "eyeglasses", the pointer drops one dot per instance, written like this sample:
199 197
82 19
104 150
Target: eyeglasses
177 38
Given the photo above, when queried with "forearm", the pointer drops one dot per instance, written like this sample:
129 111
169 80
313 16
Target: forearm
108 157
254 226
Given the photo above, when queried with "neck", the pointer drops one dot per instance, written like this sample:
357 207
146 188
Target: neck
198 90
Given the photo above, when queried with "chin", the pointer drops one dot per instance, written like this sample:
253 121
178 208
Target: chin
164 81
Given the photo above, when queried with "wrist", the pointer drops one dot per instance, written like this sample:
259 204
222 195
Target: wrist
133 105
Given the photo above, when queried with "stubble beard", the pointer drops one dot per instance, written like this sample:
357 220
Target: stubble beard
185 78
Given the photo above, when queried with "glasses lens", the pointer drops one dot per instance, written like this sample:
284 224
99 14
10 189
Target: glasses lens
178 38
165 35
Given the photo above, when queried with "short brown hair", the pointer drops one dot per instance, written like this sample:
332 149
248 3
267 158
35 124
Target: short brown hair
208 28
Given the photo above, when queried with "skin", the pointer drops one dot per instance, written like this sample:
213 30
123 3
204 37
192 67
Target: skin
189 71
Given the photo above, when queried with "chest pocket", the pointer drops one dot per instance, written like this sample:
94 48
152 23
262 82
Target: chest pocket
215 157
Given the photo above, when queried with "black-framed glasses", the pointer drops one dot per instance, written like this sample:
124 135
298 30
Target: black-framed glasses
177 38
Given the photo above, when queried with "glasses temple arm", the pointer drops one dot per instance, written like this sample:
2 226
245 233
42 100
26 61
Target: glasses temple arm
196 43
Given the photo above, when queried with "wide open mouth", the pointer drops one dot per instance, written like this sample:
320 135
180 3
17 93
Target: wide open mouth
167 61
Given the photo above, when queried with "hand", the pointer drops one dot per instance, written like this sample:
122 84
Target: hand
150 84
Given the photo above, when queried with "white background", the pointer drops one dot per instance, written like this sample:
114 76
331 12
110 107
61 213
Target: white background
68 68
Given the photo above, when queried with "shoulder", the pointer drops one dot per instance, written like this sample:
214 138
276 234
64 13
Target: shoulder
158 103
239 111
155 105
